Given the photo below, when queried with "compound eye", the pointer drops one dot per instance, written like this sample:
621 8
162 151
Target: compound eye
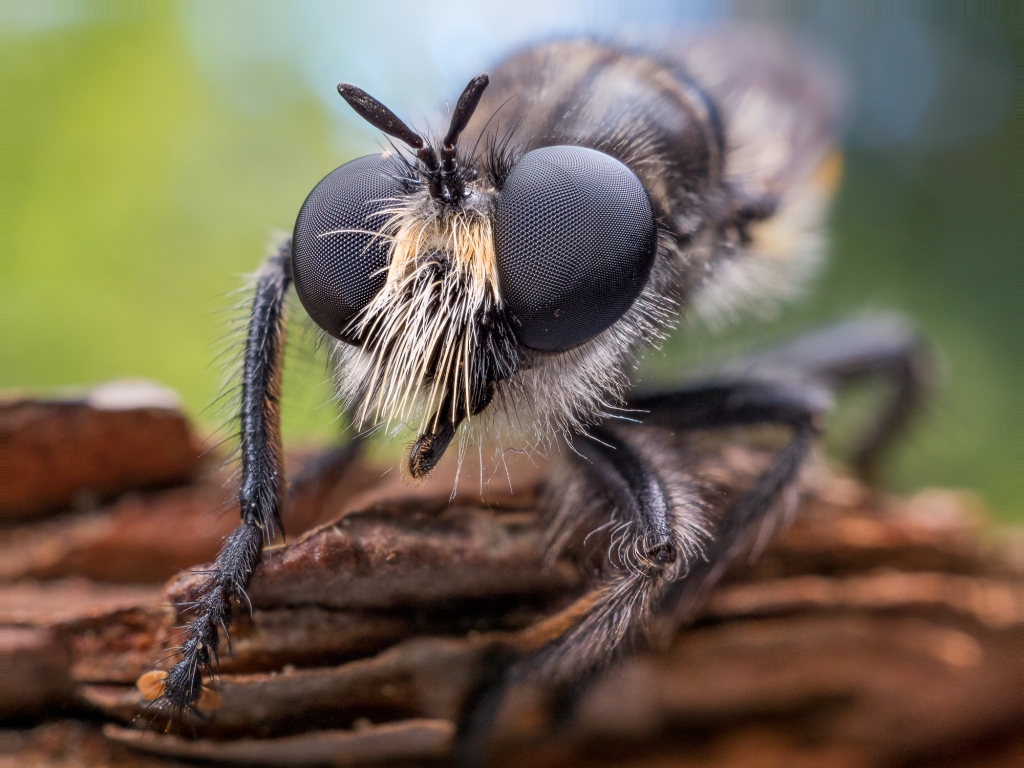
338 260
575 238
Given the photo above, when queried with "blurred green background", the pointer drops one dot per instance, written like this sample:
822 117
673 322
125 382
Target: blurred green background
150 151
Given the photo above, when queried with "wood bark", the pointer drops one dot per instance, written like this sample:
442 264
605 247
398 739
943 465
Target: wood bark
874 631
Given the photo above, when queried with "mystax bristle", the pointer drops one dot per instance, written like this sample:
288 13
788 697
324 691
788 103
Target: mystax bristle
424 322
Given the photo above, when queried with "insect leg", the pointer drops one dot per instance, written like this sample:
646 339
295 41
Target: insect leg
788 401
882 347
709 405
652 539
788 386
259 495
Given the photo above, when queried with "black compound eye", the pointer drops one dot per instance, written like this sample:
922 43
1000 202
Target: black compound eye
575 238
337 263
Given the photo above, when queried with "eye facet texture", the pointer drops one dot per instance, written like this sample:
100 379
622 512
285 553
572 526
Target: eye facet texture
575 238
337 262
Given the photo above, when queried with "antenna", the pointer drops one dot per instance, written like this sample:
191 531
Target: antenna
446 183
383 119
464 110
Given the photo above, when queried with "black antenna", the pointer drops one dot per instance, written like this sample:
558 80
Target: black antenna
383 119
446 183
464 110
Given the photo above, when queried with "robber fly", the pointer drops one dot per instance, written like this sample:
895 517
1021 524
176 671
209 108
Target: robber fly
504 276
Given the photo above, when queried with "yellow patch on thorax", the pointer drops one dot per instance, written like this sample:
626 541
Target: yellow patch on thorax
829 172
800 211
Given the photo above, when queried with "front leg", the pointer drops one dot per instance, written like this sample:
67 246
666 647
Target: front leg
259 495
792 385
662 552
755 399
654 532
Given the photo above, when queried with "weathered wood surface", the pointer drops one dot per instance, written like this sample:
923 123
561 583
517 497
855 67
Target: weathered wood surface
874 631
91 447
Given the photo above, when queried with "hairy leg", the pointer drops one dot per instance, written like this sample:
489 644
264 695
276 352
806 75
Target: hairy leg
652 535
883 348
793 403
657 538
259 495
790 385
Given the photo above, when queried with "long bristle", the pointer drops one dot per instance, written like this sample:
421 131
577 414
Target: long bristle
441 278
